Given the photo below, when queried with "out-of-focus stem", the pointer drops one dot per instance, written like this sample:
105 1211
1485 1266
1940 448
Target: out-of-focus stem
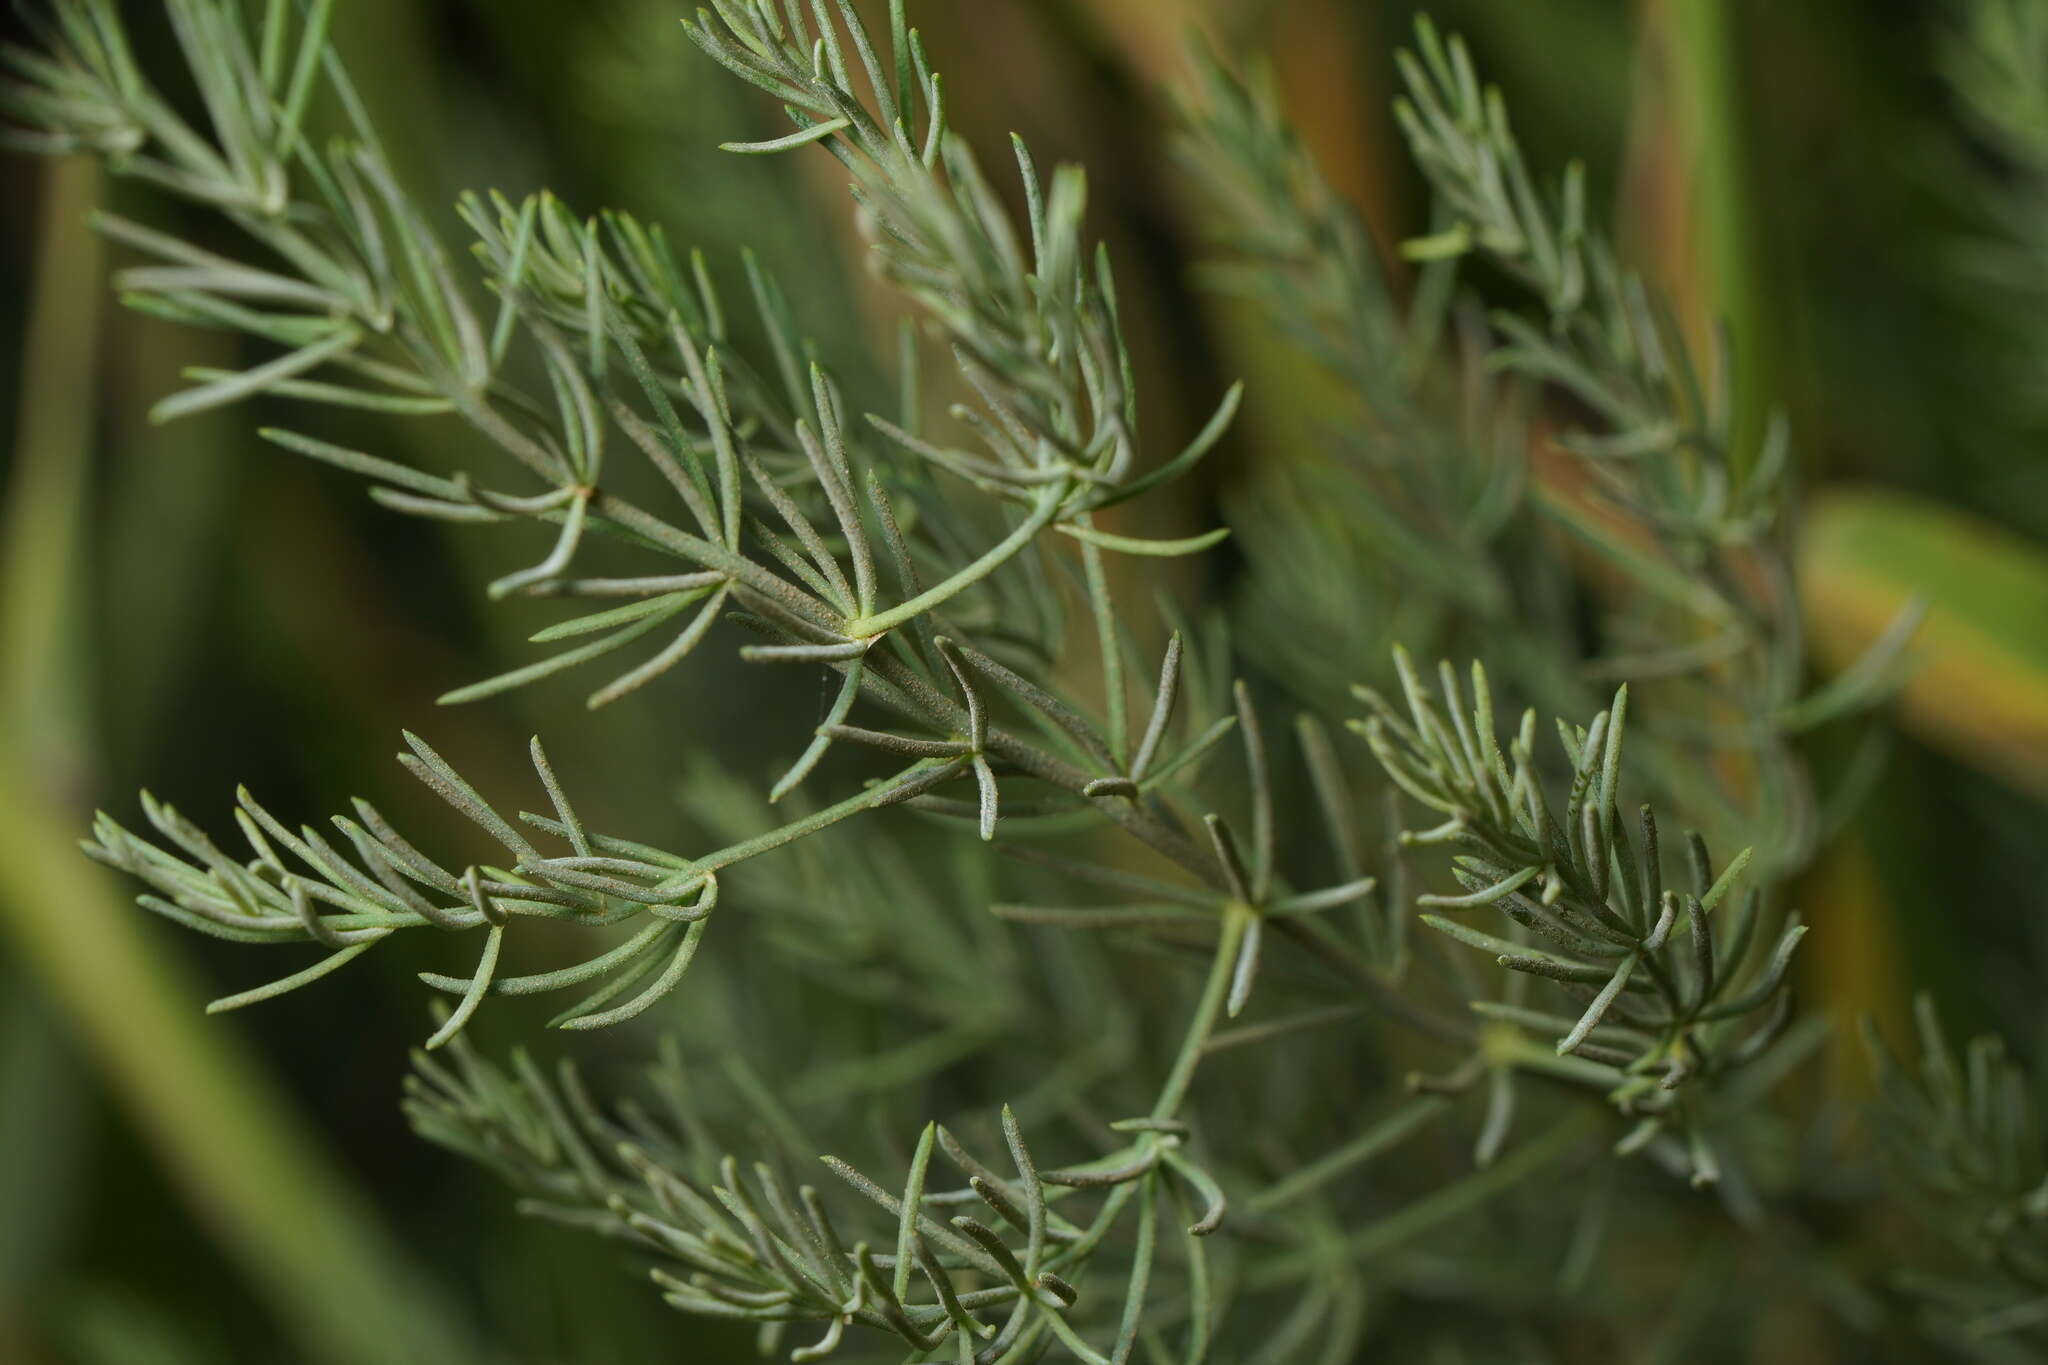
43 699
339 1290
1711 267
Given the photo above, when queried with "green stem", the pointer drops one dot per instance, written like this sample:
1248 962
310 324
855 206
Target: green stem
917 777
866 627
1111 649
1705 37
1367 1145
1175 1092
42 683
1432 1210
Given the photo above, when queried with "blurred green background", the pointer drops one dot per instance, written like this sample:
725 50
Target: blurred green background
175 602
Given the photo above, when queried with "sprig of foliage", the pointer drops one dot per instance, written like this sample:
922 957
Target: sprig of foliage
1031 320
1422 471
622 334
626 344
1998 63
994 1268
927 575
1663 1007
1439 474
1443 476
347 907
591 300
1693 523
1963 1134
1671 460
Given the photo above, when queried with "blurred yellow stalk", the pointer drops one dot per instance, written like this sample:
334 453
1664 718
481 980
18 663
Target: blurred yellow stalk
1979 687
338 1289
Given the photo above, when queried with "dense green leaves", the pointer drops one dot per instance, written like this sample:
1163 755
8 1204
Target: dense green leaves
932 576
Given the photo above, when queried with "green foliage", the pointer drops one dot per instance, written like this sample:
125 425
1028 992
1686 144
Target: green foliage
348 907
1709 604
1998 62
1964 1137
1591 903
687 477
1996 58
1669 459
740 1244
1426 472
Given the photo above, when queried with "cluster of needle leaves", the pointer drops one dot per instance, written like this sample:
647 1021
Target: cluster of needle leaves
1963 1136
1430 480
988 1266
347 907
1693 520
794 521
1995 55
1670 996
685 478
1432 492
925 571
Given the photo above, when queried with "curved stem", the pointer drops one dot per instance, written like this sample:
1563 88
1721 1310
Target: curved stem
1175 1091
867 627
